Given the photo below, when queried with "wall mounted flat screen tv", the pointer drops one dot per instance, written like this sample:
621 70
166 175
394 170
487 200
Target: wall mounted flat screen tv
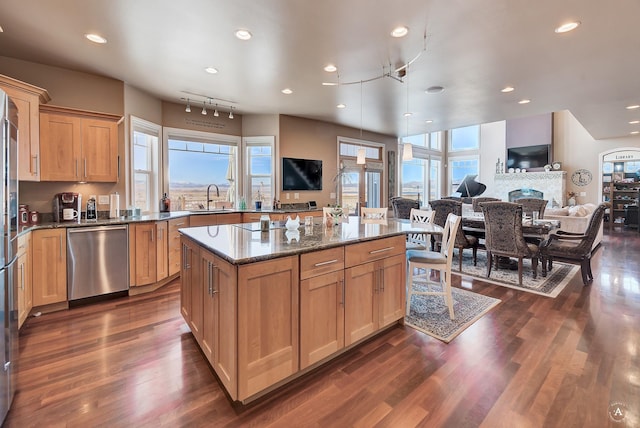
529 158
301 174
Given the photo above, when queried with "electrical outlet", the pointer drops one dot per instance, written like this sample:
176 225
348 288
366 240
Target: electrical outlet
332 195
583 193
287 196
103 199
296 196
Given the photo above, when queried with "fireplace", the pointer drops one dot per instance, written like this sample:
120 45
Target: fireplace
514 195
550 184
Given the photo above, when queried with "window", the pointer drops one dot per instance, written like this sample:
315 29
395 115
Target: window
145 137
419 176
430 141
201 169
467 138
260 166
459 167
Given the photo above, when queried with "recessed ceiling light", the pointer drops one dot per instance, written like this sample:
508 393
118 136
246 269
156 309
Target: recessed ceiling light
243 34
525 101
428 121
633 122
507 89
634 132
341 105
399 31
329 84
287 91
434 89
95 38
330 68
1 29
211 70
633 107
564 28
408 114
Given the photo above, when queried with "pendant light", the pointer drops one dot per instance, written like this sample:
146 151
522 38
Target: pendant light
407 148
361 157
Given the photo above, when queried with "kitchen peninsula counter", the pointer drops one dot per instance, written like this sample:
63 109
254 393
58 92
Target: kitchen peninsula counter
267 307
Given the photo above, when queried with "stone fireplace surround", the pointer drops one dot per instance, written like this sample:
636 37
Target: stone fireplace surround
552 184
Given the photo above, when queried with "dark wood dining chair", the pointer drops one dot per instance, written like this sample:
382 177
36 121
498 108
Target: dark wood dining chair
442 208
573 247
504 238
529 205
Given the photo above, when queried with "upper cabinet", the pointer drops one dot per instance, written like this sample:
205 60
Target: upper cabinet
27 99
77 145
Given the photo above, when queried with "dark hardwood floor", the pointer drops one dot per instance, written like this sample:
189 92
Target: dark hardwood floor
532 361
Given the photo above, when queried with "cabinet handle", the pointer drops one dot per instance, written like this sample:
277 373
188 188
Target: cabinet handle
60 242
35 157
341 282
85 167
381 250
328 262
213 279
381 279
22 276
76 167
160 235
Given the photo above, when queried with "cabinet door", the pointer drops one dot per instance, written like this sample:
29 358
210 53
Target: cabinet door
60 147
50 256
267 323
191 287
174 243
392 290
321 317
146 257
218 327
99 150
361 302
162 250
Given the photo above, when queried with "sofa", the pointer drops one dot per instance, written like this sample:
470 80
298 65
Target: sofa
575 219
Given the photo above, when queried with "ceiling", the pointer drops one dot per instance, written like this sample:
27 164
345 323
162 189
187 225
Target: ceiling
471 48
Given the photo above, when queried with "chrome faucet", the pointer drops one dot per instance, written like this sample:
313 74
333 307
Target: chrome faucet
208 190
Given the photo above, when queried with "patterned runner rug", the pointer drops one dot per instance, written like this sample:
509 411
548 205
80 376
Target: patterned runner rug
550 286
430 315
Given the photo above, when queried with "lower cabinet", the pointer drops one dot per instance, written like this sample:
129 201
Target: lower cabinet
50 256
25 289
162 250
173 242
148 253
191 292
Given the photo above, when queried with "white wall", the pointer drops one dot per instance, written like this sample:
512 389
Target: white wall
493 143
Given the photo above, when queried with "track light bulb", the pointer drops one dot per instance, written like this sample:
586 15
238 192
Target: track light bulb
204 109
231 114
215 112
188 108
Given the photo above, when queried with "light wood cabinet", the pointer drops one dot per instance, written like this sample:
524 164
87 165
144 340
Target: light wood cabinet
25 290
174 243
374 286
219 317
215 219
49 271
162 250
27 99
191 292
77 145
148 253
267 324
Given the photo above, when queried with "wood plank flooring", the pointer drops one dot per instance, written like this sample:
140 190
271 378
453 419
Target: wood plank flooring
531 362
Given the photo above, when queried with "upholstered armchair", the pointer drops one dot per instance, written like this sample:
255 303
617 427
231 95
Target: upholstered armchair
475 203
530 205
402 207
503 236
573 247
442 208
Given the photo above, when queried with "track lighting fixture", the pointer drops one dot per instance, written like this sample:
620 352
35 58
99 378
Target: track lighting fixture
188 108
209 101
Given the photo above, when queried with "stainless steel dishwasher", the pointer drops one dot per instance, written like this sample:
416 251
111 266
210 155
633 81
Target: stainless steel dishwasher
97 260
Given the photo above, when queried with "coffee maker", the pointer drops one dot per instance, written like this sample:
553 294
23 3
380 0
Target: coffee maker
67 207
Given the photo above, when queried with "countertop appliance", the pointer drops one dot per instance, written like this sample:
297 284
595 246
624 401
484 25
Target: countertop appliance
67 206
8 253
97 261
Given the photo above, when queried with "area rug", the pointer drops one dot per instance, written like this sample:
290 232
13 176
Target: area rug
549 286
430 315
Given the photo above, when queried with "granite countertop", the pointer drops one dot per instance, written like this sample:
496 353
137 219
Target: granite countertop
245 243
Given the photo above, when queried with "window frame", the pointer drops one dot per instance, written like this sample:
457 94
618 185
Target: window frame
138 125
265 141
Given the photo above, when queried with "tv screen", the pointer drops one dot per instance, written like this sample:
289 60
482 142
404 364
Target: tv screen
301 174
529 158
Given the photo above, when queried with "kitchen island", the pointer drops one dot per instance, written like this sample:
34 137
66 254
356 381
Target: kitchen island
267 307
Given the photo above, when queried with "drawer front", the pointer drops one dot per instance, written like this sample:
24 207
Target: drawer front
320 262
364 252
177 223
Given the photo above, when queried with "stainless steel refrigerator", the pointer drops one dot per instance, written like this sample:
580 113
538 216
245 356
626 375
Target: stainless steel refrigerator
8 251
